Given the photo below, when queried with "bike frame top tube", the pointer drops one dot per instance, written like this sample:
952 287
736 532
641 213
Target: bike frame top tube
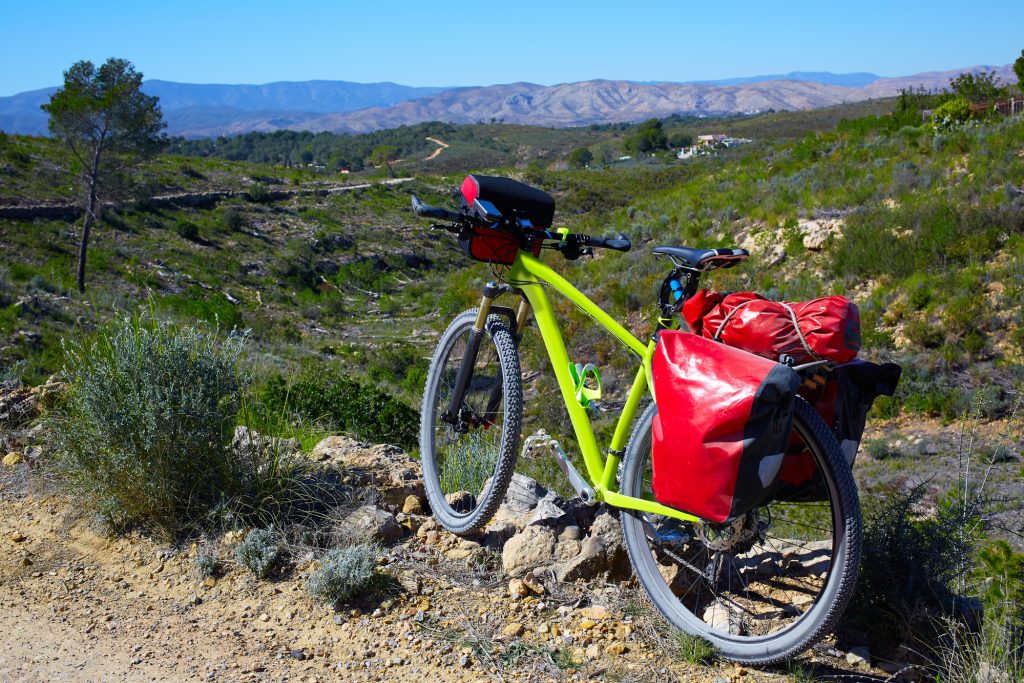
530 275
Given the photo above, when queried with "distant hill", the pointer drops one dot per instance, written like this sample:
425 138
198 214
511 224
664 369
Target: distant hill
200 106
196 111
851 80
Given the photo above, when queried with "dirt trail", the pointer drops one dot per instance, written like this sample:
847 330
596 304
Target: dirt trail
443 146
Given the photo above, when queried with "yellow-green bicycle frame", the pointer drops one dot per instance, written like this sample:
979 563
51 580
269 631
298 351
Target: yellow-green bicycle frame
530 275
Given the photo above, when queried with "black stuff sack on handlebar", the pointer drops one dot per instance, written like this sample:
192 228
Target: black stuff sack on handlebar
511 197
722 427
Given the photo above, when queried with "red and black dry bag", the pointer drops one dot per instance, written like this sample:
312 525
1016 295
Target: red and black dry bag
827 328
723 423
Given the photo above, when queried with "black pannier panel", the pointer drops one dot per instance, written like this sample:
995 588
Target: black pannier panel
511 197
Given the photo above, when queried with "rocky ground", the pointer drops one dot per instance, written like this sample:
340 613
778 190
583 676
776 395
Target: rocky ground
544 594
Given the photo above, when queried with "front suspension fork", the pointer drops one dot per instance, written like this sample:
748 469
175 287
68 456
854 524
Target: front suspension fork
517 319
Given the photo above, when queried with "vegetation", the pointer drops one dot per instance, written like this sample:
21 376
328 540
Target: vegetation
344 573
144 433
109 126
258 552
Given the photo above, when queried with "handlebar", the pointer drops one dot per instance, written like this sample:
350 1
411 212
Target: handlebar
427 211
572 246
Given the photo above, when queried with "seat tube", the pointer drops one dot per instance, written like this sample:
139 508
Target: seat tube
476 334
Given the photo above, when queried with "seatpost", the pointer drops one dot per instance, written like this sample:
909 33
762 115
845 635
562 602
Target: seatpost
491 291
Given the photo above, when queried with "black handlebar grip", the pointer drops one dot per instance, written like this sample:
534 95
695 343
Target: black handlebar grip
427 211
621 244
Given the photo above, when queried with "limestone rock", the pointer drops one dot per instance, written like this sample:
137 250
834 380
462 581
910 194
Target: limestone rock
249 441
602 553
533 547
412 506
721 618
12 459
373 523
386 468
859 656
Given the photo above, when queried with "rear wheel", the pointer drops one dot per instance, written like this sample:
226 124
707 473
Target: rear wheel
468 462
766 586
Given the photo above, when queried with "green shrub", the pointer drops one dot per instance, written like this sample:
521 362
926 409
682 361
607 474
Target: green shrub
365 411
187 229
144 432
951 114
259 194
911 565
233 219
207 564
344 573
258 552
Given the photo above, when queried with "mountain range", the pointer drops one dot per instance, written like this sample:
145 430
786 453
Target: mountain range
206 110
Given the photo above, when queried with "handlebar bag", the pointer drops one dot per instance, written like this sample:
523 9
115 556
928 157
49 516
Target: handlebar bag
511 197
491 245
723 423
820 329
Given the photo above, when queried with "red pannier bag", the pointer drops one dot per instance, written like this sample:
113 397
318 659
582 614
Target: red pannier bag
821 329
723 423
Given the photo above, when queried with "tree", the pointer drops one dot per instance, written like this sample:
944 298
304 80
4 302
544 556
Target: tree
109 126
1018 68
580 157
385 155
980 87
648 137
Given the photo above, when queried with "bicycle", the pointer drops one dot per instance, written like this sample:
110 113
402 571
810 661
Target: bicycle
760 589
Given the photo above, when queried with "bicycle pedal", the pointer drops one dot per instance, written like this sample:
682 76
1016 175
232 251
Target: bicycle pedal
536 446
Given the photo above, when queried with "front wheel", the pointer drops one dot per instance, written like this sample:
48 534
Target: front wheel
468 461
766 586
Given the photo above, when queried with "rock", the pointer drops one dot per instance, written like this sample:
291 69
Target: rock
587 624
593 652
596 612
517 588
534 586
460 553
602 553
570 533
721 618
373 523
193 600
464 661
386 468
298 654
412 506
461 501
523 494
209 582
12 459
859 656
17 537
249 441
513 630
616 648
531 548
547 511
496 535
817 233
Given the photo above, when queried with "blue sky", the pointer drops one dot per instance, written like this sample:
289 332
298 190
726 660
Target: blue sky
476 42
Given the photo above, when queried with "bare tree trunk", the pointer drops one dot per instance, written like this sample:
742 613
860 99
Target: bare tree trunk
90 215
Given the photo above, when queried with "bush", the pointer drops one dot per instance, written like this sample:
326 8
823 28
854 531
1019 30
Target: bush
258 552
144 432
911 566
233 219
365 411
344 573
207 564
187 229
951 114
